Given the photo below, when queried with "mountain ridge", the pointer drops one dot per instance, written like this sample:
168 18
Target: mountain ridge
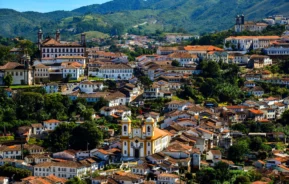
117 16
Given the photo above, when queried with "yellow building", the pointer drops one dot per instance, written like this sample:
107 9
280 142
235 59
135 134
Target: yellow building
142 141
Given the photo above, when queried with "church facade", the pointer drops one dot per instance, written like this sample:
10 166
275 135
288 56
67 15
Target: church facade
142 141
241 25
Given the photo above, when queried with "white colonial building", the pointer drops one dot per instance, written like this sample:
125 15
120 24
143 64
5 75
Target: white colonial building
74 69
65 169
15 151
142 141
41 72
50 124
166 178
20 73
90 87
277 51
185 59
53 47
245 43
238 58
113 71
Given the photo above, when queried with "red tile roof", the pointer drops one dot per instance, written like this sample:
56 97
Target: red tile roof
256 111
52 121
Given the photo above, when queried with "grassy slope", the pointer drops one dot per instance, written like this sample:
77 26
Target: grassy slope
92 34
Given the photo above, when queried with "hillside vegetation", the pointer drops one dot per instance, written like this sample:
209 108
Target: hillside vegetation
117 16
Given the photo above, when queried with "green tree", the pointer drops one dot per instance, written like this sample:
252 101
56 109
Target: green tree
5 54
87 114
254 175
284 118
17 173
189 176
56 106
75 180
145 81
27 45
110 84
28 104
237 151
100 103
59 139
211 69
242 180
206 175
222 171
256 143
175 63
67 78
8 80
86 134
240 127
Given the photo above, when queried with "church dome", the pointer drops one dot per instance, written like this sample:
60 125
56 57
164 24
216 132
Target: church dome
150 120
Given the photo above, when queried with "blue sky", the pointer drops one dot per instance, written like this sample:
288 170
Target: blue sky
46 5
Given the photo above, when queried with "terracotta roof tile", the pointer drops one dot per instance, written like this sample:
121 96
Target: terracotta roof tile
256 111
11 65
52 121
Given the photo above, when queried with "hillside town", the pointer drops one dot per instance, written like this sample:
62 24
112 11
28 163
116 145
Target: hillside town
148 110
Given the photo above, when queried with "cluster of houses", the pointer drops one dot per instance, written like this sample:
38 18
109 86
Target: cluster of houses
181 136
60 60
186 139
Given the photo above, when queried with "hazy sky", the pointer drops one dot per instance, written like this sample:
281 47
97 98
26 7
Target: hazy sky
46 5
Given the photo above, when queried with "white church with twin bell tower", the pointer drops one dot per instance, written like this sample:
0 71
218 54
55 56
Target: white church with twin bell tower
144 140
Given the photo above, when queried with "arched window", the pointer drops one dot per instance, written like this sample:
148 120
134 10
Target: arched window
148 129
125 143
125 128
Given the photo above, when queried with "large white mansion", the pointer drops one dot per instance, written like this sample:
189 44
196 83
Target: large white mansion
142 141
245 43
113 71
53 47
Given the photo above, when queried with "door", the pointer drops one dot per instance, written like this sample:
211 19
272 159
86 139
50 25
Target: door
136 153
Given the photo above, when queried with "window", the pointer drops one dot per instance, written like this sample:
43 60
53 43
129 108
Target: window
124 128
148 129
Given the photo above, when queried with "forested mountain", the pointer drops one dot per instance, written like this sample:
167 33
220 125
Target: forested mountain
117 16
